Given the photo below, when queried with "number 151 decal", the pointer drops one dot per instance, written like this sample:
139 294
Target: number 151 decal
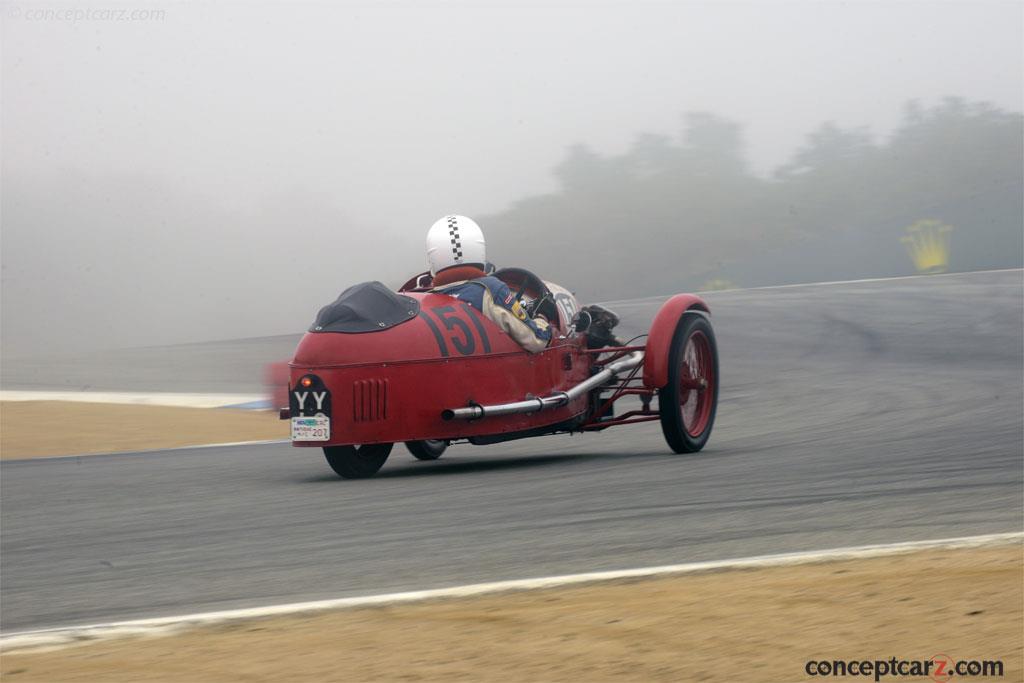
462 332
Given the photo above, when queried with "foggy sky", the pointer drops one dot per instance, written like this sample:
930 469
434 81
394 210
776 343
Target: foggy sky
222 171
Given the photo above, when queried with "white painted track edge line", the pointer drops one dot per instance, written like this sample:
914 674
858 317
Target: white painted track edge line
794 285
71 635
167 399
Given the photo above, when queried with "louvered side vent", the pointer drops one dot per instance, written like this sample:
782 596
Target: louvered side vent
370 400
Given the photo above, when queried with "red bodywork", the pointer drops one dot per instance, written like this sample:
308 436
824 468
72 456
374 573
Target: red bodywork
392 385
660 337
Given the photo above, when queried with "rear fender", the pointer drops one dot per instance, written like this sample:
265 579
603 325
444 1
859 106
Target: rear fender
659 339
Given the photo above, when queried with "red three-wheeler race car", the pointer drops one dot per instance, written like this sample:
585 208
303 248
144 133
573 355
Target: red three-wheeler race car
379 367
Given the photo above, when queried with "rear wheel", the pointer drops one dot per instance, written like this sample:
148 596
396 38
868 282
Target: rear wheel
688 402
357 462
430 449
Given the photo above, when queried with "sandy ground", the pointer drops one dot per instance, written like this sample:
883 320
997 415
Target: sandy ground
754 625
32 429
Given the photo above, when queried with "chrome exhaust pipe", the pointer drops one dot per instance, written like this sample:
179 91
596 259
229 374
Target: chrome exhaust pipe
557 400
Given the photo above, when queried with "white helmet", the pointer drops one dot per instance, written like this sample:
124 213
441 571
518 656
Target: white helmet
455 241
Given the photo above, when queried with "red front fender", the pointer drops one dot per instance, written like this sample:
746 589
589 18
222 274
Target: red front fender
659 339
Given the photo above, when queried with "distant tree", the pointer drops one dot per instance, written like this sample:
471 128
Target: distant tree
713 144
583 170
829 148
651 155
671 214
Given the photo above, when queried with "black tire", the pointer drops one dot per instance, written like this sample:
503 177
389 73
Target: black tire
357 462
671 397
430 449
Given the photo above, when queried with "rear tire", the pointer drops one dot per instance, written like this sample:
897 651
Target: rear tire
430 449
688 402
357 462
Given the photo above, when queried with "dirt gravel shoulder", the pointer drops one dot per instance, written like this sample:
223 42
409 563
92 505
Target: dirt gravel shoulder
752 625
34 429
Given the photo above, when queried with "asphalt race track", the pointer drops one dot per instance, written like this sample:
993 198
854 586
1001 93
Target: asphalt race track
850 414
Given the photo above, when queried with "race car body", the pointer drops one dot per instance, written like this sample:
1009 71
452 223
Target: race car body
379 367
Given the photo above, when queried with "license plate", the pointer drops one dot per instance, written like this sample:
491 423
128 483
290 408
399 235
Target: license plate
313 428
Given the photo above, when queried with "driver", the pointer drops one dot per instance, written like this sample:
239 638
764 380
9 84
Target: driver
455 250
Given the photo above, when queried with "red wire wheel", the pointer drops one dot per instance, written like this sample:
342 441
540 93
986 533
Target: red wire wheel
687 404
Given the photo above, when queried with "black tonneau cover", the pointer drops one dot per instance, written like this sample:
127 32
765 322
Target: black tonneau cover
366 307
